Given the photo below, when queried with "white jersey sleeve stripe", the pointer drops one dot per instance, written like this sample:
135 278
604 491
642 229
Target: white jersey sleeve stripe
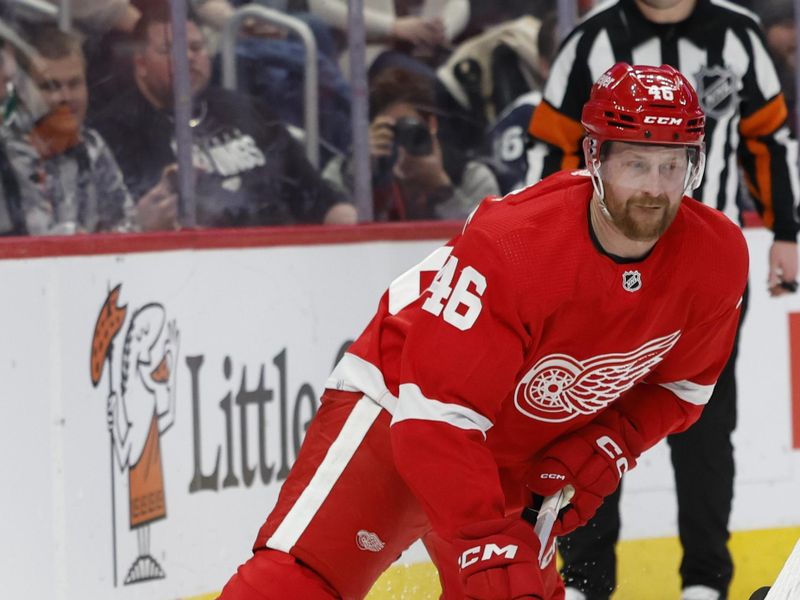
327 474
690 392
354 374
414 405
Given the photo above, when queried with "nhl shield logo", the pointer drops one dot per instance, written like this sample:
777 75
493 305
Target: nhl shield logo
631 281
718 90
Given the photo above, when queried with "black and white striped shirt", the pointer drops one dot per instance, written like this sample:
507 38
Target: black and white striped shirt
720 48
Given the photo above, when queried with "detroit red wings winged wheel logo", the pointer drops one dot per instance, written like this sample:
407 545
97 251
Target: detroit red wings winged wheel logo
559 387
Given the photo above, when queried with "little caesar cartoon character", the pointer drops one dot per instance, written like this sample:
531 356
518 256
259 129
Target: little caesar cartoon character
139 412
533 360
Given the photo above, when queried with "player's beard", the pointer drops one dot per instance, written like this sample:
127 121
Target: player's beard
631 216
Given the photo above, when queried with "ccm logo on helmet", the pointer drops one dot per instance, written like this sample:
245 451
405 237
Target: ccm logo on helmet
663 120
473 555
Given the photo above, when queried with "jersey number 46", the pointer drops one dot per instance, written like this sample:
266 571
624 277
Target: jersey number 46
458 305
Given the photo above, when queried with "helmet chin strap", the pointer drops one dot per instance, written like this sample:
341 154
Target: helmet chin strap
591 152
597 183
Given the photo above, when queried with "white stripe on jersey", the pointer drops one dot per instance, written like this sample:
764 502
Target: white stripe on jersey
735 176
690 392
556 86
648 53
327 474
691 58
414 405
716 159
718 156
406 288
535 156
599 55
353 374
767 78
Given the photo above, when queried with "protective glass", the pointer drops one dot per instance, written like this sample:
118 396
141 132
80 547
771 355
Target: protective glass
671 170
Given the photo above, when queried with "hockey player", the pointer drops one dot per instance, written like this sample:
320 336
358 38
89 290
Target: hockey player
569 328
721 49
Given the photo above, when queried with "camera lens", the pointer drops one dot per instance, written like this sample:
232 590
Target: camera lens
413 135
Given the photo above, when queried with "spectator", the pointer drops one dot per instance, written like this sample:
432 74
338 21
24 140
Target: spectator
8 69
88 16
11 218
270 63
249 170
401 33
721 48
70 180
485 14
508 133
416 174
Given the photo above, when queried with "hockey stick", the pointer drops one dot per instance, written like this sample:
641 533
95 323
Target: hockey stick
544 518
787 585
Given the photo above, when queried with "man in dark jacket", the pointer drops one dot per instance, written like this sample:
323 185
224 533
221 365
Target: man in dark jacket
249 170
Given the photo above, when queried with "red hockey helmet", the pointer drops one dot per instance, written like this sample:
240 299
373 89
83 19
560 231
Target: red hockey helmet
643 104
655 105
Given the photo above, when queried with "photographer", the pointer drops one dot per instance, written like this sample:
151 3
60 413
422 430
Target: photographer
415 174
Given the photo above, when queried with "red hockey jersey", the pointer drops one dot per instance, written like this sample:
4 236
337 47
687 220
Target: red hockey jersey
530 331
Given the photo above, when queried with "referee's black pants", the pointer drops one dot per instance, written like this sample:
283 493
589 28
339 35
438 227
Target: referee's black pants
702 458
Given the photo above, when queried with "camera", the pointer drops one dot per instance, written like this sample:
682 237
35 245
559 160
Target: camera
413 135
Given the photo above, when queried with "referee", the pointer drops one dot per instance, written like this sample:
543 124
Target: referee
720 48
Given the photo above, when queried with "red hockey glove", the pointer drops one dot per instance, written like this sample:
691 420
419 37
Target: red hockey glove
592 460
498 560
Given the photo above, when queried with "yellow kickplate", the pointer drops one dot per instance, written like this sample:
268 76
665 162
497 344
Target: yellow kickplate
648 569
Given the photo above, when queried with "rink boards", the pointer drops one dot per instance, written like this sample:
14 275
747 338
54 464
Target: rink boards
260 318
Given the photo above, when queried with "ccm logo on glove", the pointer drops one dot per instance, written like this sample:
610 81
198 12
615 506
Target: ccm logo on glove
558 476
481 553
612 449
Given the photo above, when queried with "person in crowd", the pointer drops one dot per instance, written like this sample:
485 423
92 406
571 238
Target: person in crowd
721 49
416 173
270 63
569 328
409 34
248 170
68 177
11 218
86 16
508 134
